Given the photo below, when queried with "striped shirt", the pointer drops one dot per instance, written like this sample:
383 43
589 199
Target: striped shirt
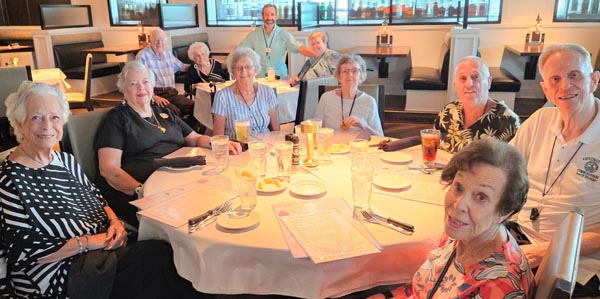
229 106
163 68
40 210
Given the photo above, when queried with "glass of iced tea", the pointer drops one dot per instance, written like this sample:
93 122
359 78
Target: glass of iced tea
430 141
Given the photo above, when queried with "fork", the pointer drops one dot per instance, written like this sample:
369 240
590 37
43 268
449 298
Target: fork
224 207
372 219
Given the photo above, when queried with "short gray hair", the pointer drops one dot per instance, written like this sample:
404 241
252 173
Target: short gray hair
16 103
549 50
196 48
482 65
133 66
352 58
241 53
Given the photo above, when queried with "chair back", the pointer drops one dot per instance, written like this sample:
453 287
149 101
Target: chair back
556 276
11 78
308 96
377 91
79 134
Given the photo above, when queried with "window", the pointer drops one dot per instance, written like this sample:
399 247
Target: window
130 12
577 11
354 12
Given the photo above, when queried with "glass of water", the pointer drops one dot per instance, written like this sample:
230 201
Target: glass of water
283 153
220 151
258 156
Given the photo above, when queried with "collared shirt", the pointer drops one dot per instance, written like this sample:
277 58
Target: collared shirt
279 41
163 68
500 122
577 187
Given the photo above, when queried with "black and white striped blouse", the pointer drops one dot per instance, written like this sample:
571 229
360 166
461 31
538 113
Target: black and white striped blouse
40 210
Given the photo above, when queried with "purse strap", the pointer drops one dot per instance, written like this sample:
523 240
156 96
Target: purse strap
442 274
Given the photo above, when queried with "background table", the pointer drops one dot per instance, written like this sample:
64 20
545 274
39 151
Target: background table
381 53
258 261
532 53
287 99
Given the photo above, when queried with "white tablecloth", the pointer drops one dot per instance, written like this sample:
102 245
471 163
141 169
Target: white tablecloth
287 98
258 261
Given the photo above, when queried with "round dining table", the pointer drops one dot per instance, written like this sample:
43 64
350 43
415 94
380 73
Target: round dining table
257 260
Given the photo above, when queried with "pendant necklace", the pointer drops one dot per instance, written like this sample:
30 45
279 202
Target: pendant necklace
268 45
535 212
158 125
244 99
342 103
32 158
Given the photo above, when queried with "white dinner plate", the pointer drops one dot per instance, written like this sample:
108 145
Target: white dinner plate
340 148
230 223
271 185
393 182
396 157
308 188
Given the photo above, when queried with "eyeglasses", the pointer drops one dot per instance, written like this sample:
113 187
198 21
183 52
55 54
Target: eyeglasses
350 71
243 67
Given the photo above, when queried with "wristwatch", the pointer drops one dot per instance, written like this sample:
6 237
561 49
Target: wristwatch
138 190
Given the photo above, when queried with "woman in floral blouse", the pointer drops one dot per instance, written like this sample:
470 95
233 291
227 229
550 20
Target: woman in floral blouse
477 257
475 114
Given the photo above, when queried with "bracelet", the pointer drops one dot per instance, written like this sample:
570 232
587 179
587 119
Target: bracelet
79 244
87 243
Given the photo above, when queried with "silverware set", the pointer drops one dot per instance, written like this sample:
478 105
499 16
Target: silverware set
209 216
396 225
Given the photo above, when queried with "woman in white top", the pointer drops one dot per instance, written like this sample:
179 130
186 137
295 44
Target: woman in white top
347 108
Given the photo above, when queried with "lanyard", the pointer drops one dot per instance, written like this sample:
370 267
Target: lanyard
342 102
268 45
561 172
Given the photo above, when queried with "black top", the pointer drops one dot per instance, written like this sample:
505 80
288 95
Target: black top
194 75
140 139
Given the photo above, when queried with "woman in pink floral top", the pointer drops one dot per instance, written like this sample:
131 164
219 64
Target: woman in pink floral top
477 258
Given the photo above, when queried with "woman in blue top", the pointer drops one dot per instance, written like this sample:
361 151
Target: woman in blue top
244 99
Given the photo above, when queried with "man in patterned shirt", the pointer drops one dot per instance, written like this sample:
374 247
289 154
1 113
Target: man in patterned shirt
164 65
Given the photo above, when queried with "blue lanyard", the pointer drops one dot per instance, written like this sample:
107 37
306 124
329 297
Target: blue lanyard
342 102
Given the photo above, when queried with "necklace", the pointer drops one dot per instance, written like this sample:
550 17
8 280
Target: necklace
158 125
535 212
244 99
32 158
342 103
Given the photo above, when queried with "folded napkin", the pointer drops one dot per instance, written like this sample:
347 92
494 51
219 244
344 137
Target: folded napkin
401 144
179 162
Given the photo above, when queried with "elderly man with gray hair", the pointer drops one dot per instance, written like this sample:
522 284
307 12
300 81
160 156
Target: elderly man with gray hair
560 145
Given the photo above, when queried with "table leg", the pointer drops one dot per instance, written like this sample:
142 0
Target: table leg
383 68
531 68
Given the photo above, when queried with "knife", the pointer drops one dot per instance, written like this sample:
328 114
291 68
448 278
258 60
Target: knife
396 223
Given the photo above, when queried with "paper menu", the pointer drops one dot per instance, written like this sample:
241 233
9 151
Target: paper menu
310 227
426 192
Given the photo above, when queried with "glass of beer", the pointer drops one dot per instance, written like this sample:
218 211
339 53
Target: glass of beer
430 141
242 130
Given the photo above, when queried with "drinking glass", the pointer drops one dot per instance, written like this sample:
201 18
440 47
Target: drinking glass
283 153
258 156
358 152
430 141
246 185
271 74
325 136
362 177
242 130
220 151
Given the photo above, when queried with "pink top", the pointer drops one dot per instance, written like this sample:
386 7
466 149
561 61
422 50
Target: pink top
504 274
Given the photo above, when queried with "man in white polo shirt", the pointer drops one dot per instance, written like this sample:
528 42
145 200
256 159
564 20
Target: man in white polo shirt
562 148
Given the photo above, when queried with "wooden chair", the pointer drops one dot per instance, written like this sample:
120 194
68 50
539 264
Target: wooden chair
83 100
11 78
556 276
377 91
308 97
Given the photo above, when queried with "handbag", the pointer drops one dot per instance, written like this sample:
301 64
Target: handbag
91 276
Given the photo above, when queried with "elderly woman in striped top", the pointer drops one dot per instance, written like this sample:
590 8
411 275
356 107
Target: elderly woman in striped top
55 226
244 99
